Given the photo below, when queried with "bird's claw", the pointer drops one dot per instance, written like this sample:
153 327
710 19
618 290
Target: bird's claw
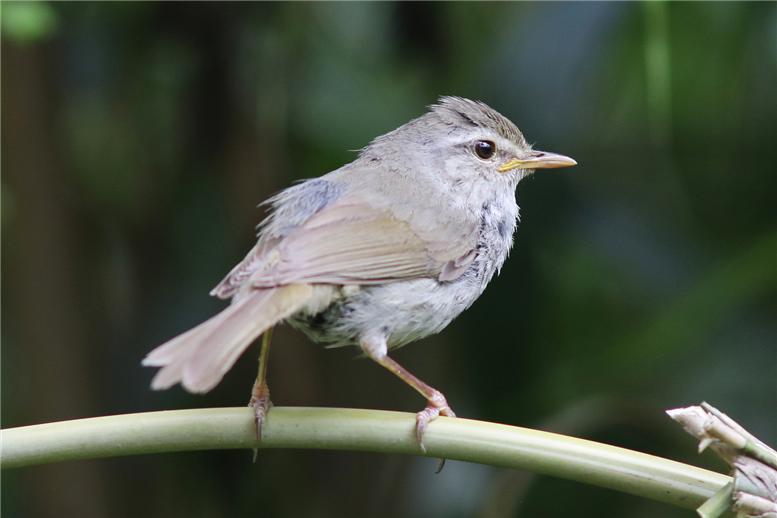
436 407
260 402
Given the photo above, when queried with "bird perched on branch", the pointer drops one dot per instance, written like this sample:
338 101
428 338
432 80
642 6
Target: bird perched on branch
379 253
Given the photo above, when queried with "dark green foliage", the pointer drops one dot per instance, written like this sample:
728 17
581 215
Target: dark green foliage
138 138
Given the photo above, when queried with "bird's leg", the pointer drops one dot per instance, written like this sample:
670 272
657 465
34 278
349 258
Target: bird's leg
436 402
260 393
375 348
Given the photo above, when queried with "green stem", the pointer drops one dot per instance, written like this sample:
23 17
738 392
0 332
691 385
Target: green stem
362 430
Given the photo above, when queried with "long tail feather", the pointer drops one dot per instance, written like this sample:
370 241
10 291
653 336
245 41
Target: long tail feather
199 358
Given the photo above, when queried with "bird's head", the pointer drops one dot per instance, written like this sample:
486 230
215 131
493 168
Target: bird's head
480 138
465 142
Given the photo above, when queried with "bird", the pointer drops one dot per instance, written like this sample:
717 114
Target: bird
384 251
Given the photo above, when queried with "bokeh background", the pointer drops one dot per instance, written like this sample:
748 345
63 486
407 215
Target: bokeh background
137 139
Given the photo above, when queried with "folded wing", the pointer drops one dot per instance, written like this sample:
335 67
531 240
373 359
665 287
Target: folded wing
354 243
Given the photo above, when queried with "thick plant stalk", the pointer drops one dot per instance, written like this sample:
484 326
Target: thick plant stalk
753 490
362 430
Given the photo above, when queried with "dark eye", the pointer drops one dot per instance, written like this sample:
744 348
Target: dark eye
485 149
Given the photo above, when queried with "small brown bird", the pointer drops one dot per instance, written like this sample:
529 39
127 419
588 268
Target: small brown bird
379 253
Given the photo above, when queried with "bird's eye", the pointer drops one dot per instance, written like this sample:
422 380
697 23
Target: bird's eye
485 149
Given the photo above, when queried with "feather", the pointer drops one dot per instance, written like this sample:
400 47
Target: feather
257 259
199 358
358 244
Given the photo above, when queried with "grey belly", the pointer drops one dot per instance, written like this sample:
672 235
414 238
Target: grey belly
402 311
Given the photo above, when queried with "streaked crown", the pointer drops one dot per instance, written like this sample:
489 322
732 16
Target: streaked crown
458 110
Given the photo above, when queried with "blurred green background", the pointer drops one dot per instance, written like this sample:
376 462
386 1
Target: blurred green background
139 137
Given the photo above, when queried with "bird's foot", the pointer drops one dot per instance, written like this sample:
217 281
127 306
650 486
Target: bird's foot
436 406
260 402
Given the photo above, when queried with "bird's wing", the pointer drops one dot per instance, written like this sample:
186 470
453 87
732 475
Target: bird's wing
352 242
291 208
256 260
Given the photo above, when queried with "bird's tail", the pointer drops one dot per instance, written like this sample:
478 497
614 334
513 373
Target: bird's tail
199 358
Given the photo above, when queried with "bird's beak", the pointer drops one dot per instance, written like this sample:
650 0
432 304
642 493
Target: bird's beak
537 160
